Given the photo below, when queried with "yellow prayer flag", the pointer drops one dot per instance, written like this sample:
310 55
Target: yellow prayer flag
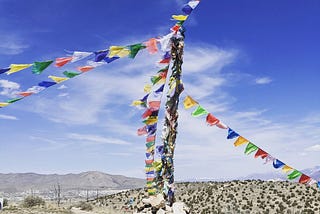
3 104
286 168
118 51
58 79
150 149
180 17
136 103
17 67
147 88
241 140
189 102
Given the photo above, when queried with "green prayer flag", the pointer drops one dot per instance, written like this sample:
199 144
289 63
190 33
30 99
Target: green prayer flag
134 49
148 145
199 111
38 67
155 79
70 74
250 148
14 100
294 174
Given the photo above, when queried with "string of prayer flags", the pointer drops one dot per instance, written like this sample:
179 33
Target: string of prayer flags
38 67
17 67
62 61
250 148
199 111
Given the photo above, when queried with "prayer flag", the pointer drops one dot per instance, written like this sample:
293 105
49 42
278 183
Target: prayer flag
250 148
261 153
142 131
294 174
269 158
58 79
134 49
154 105
232 134
241 140
147 113
149 161
222 125
193 4
17 67
152 45
150 144
151 139
277 163
46 84
62 61
3 104
286 168
118 51
38 67
4 70
211 120
25 93
100 55
159 89
187 9
180 17
78 55
147 88
70 74
110 59
304 179
150 120
199 111
85 68
165 42
14 100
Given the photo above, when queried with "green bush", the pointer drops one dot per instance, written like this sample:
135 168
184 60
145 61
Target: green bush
32 201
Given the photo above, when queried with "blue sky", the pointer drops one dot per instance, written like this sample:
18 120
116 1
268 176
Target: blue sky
253 64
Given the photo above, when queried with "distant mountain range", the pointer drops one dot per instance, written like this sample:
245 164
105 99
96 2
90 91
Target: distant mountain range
20 182
279 175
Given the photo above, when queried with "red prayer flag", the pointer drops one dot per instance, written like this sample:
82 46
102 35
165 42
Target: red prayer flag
151 138
212 120
25 94
154 105
142 131
149 161
85 68
261 153
147 113
152 46
62 61
304 179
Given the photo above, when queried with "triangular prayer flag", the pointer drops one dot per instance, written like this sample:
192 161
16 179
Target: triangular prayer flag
240 140
155 79
165 42
100 55
250 148
151 138
180 17
25 93
58 79
150 150
268 159
71 74
150 144
46 84
119 51
17 67
4 70
294 174
222 125
62 61
85 68
211 120
149 162
151 120
147 113
188 102
187 9
286 168
261 153
14 100
110 59
137 103
277 163
232 134
142 131
3 104
154 105
147 88
165 61
134 49
304 179
78 55
38 67
199 111
193 3
152 45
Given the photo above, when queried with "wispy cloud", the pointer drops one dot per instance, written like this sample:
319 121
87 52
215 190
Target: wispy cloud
12 45
8 117
314 148
8 88
96 139
263 80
